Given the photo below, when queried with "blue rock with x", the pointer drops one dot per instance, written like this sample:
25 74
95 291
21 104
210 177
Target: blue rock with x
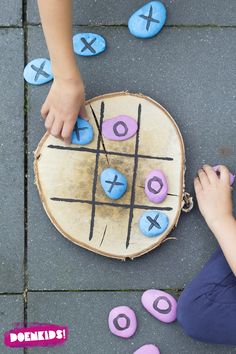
38 71
88 44
114 183
83 132
148 21
153 223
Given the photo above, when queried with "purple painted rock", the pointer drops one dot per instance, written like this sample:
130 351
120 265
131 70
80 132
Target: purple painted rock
217 170
156 186
160 304
147 349
122 321
119 128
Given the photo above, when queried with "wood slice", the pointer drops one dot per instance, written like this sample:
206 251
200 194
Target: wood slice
68 180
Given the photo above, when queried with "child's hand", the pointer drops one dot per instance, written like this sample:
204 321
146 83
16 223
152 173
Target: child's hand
62 106
214 195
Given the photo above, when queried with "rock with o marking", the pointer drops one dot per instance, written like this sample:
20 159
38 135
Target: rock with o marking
147 349
122 321
38 71
148 21
88 44
231 176
82 133
156 186
153 223
114 183
160 304
119 128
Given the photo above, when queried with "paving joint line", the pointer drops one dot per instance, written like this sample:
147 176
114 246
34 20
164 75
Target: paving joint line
97 290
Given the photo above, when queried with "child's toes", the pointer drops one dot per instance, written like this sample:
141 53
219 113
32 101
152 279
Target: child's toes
212 176
203 178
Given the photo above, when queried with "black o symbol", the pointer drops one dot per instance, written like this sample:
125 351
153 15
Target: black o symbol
155 305
155 179
115 128
116 323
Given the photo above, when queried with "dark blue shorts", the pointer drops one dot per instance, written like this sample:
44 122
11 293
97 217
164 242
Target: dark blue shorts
207 307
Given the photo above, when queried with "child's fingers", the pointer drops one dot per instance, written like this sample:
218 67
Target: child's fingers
224 174
83 112
212 176
56 128
197 185
203 178
44 110
66 132
49 121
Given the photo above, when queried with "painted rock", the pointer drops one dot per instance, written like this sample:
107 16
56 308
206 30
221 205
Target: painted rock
88 44
113 183
160 304
156 187
148 20
232 177
153 223
122 321
119 128
38 71
147 349
82 133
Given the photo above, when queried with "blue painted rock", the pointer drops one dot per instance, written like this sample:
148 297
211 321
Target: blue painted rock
88 44
122 321
153 223
119 128
147 349
82 133
156 187
113 183
160 304
38 71
148 20
231 176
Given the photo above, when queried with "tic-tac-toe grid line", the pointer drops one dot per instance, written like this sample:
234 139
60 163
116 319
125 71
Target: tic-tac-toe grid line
115 153
96 173
132 199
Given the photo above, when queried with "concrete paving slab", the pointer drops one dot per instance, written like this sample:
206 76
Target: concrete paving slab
180 12
11 13
12 164
11 313
191 72
86 315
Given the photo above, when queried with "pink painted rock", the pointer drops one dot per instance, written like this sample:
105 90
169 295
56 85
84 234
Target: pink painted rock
160 304
122 321
156 187
119 128
232 177
147 349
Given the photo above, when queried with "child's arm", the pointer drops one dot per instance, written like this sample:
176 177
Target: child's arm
215 203
66 97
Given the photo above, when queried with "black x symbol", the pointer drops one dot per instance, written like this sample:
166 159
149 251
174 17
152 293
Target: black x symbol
114 183
153 222
77 130
149 18
39 71
88 45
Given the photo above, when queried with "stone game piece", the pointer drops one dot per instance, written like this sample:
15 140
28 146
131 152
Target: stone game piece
114 183
160 304
122 321
148 21
232 177
119 128
156 186
88 44
38 71
147 349
82 133
153 223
